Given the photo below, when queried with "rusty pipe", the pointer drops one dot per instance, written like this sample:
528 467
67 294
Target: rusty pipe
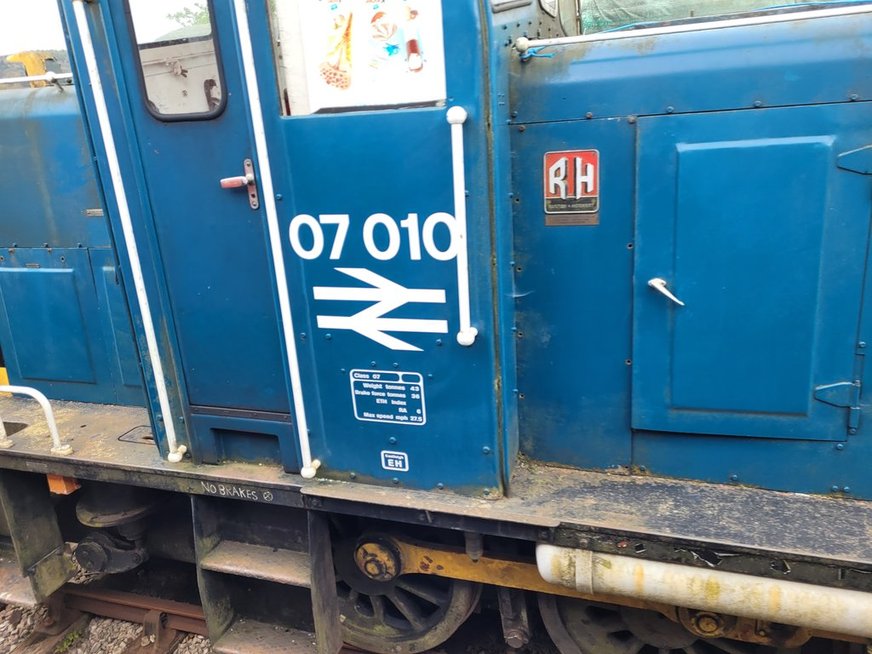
774 600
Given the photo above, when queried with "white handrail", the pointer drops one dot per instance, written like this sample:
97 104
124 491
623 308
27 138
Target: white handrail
310 466
176 451
58 447
49 77
456 117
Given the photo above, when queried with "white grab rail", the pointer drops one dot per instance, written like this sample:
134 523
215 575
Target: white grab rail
176 451
309 465
49 77
456 117
58 447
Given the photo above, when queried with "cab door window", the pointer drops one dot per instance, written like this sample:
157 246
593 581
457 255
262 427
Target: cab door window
178 58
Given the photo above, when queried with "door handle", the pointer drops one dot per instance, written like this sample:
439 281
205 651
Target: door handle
237 182
659 284
244 181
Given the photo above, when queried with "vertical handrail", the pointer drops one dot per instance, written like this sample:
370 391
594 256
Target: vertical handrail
456 117
309 466
176 451
58 446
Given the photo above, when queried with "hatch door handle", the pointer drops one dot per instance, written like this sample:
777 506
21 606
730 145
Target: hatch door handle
659 284
246 181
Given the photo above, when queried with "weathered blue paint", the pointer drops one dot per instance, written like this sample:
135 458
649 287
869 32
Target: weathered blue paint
211 287
574 302
46 172
54 324
64 327
780 64
745 211
720 172
764 238
394 162
107 54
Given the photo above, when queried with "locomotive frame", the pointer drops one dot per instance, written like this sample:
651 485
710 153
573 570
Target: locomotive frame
642 519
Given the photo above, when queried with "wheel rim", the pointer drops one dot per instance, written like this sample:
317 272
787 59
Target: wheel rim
410 613
582 627
414 613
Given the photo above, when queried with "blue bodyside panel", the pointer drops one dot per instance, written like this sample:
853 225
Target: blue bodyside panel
46 319
754 217
574 303
47 323
804 62
503 230
64 328
46 172
794 465
117 332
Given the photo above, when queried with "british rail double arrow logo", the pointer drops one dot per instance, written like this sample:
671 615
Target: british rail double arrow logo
386 296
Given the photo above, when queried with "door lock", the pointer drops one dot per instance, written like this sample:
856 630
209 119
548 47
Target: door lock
247 180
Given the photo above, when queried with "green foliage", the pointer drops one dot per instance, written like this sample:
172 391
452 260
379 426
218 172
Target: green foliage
67 643
198 14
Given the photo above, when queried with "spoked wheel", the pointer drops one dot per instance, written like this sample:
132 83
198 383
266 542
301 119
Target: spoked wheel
408 613
581 627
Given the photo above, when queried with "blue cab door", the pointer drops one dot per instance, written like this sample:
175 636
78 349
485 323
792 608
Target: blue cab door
181 124
754 223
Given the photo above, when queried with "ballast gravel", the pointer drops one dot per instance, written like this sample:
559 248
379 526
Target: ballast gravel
16 624
101 636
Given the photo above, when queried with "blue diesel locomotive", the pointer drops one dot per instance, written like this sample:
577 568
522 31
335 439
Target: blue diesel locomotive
369 305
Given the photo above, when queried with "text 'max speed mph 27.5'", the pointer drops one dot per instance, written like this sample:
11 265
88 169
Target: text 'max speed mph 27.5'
370 312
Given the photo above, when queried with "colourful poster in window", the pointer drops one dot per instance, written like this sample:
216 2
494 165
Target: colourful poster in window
364 53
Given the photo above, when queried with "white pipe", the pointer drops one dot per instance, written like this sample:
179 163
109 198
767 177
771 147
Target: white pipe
310 466
58 447
176 451
523 44
48 77
456 117
837 610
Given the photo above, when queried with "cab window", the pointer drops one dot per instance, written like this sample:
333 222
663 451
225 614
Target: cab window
601 15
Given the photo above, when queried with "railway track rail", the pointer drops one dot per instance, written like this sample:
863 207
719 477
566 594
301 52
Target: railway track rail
165 623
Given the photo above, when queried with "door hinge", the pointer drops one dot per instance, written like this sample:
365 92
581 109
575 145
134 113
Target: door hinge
842 394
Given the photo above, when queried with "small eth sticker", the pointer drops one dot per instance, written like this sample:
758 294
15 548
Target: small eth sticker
395 461
572 187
